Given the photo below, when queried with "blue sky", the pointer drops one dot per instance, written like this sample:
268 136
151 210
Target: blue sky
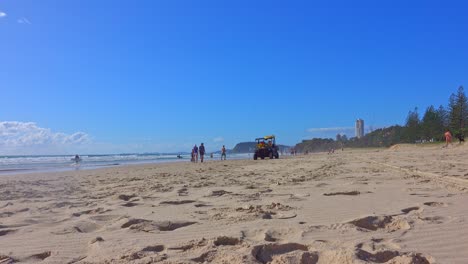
139 76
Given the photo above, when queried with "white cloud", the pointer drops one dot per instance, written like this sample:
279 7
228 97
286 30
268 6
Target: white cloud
26 136
218 139
2 14
24 20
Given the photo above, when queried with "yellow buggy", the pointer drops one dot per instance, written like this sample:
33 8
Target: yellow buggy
266 148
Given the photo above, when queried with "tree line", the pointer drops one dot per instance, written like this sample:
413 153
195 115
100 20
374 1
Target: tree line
435 121
430 128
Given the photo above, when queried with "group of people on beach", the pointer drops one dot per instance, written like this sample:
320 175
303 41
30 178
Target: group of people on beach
200 152
196 151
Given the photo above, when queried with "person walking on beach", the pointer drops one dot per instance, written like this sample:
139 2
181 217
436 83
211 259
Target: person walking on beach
195 153
448 138
223 153
201 149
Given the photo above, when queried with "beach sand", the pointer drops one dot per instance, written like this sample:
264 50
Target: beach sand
406 204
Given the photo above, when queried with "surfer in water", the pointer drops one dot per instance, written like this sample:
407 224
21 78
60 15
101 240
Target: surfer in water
76 159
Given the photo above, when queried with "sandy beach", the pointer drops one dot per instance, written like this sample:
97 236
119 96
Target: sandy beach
406 204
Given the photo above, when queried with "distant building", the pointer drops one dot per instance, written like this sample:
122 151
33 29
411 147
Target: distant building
359 128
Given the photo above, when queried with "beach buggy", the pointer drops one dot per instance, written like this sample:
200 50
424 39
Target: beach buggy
266 148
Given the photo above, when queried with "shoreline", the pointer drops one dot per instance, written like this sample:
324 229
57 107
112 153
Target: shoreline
87 166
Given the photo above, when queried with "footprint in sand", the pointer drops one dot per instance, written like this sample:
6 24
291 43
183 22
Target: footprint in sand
275 235
198 205
284 253
91 212
179 202
409 209
130 204
388 255
353 193
374 223
433 219
105 218
226 241
182 192
96 240
126 197
207 247
151 226
193 244
63 204
271 235
273 211
6 205
39 257
420 194
157 248
6 214
79 227
435 204
7 231
10 213
152 253
219 193
6 259
379 244
206 257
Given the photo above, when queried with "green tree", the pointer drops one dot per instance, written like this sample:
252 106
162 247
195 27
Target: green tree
458 111
413 126
443 115
432 124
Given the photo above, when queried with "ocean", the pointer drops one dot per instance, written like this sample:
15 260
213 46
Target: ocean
36 163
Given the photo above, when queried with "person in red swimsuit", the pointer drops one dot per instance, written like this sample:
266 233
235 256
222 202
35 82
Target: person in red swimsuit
448 138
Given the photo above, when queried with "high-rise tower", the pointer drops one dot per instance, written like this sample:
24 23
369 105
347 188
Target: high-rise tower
359 128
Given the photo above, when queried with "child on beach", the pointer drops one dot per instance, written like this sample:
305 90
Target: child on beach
195 153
